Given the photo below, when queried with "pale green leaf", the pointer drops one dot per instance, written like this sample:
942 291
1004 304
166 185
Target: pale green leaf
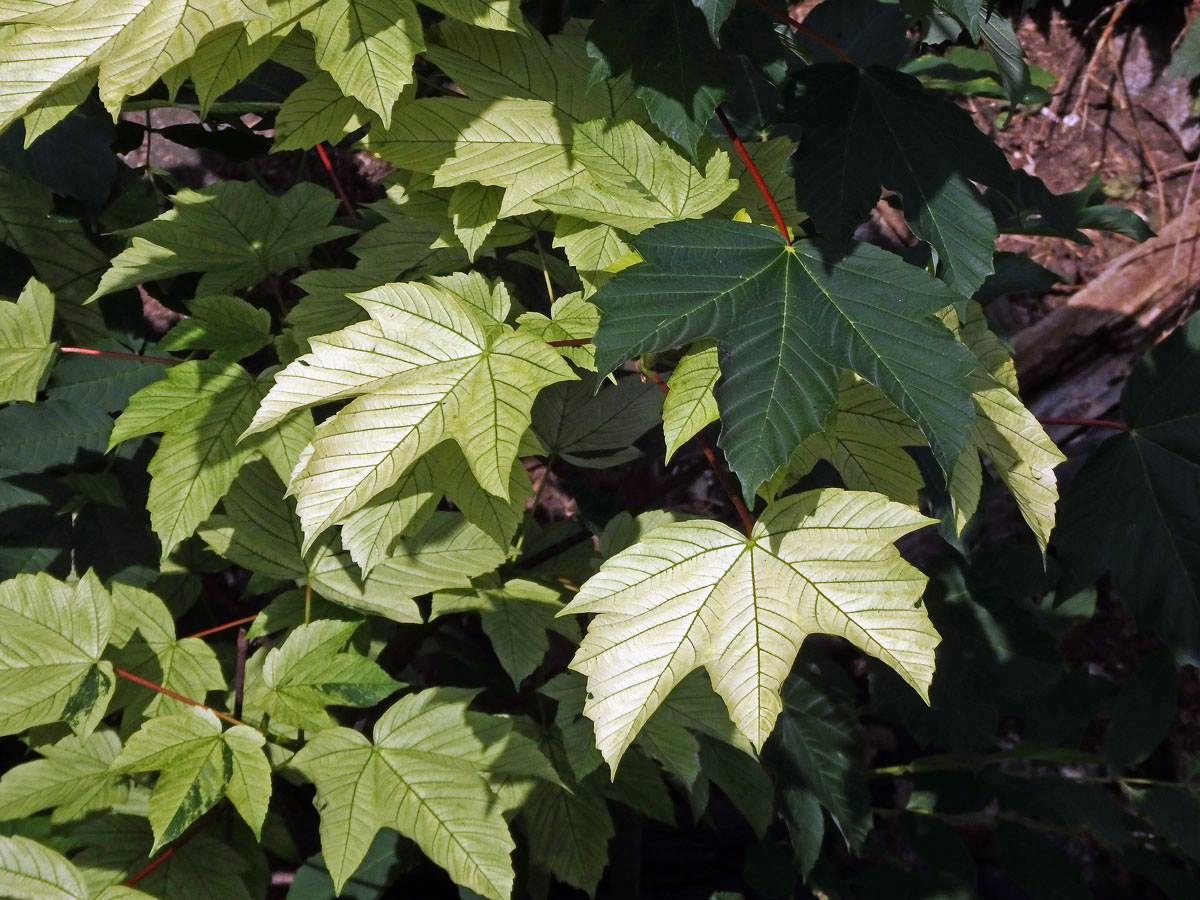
515 131
515 617
223 58
229 326
427 369
199 765
594 250
144 635
29 871
51 637
690 404
26 350
773 159
234 232
568 834
368 47
864 440
316 111
502 15
201 407
474 208
571 318
72 778
311 670
425 775
128 44
56 106
447 552
1008 434
633 182
698 594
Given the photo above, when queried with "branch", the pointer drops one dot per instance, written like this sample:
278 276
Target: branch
234 624
137 679
805 30
1085 423
756 175
718 470
572 342
113 354
337 182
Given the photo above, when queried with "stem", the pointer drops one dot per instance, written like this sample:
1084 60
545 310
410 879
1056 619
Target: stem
805 30
337 182
718 470
234 624
196 828
273 283
137 679
537 242
239 672
537 498
1086 423
307 600
113 354
756 175
572 342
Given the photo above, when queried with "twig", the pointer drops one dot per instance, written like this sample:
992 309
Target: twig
239 672
1118 11
805 30
1119 70
1083 422
718 470
113 354
234 624
756 175
569 342
137 679
337 182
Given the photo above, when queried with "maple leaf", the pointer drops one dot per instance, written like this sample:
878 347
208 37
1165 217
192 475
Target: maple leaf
51 637
790 319
201 408
310 671
25 346
426 368
514 130
72 777
425 775
234 232
877 127
697 593
125 44
199 765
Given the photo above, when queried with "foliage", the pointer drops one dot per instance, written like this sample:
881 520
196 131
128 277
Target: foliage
373 567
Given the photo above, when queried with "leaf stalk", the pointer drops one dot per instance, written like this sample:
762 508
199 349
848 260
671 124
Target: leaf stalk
756 175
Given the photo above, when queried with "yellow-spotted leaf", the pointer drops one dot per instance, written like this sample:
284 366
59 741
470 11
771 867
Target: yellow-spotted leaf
52 635
199 765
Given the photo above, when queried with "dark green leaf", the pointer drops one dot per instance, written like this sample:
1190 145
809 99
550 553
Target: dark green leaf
666 48
36 436
863 129
1185 61
1132 508
715 12
789 319
1142 713
1039 867
818 744
870 32
388 857
1175 813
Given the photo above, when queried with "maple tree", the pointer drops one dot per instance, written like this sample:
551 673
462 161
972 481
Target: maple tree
280 585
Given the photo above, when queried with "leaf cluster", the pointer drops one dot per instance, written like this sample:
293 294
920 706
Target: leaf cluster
401 555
